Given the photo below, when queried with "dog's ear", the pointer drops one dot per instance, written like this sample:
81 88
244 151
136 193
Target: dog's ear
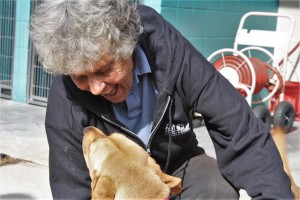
173 182
103 188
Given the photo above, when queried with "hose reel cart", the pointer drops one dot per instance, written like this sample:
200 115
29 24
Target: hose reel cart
255 72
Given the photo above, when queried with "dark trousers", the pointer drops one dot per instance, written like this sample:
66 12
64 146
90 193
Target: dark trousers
202 179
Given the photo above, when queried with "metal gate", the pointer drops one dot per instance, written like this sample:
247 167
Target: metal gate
7 32
39 79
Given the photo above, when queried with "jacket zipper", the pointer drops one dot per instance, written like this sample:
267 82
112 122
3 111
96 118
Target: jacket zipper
125 129
146 147
156 126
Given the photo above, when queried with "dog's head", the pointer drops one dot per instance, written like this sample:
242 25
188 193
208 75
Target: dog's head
116 152
95 143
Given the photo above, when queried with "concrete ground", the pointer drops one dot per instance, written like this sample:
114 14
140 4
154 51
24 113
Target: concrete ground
23 136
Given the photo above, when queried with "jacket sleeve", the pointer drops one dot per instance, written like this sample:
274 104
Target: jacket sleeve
69 177
246 153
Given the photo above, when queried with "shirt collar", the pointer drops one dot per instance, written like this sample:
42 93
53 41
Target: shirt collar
141 65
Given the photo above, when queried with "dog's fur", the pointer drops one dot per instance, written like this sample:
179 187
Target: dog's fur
121 169
279 136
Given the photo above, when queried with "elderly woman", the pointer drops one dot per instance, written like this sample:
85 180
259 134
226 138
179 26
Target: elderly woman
124 68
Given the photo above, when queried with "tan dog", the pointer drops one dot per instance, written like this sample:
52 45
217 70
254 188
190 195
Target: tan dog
279 136
121 169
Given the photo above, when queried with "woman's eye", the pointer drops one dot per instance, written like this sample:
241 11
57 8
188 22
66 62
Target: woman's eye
81 78
102 71
99 72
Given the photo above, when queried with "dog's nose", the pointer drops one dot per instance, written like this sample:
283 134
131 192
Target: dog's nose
86 129
92 131
89 135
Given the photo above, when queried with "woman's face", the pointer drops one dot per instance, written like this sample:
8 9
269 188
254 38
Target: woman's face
109 78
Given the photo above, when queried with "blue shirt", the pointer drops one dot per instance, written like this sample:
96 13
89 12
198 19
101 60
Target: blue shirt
136 112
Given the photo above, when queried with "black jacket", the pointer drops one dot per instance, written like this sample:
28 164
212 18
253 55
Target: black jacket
246 153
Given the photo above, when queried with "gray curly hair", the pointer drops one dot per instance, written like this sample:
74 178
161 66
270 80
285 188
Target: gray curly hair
71 35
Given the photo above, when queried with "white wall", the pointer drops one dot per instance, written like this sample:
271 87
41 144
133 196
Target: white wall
292 8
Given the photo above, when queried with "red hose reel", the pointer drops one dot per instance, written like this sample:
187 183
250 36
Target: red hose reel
263 72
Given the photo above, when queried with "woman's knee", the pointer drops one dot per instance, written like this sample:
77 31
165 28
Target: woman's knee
202 179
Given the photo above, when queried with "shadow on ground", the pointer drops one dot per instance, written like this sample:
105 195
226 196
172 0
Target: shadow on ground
15 196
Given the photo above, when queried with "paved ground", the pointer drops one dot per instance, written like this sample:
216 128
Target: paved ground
23 136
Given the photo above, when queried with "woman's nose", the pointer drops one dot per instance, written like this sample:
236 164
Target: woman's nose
96 85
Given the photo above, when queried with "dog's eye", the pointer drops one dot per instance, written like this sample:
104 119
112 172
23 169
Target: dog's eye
94 172
92 140
95 139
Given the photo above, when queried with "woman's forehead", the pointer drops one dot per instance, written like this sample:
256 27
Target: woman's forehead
104 61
